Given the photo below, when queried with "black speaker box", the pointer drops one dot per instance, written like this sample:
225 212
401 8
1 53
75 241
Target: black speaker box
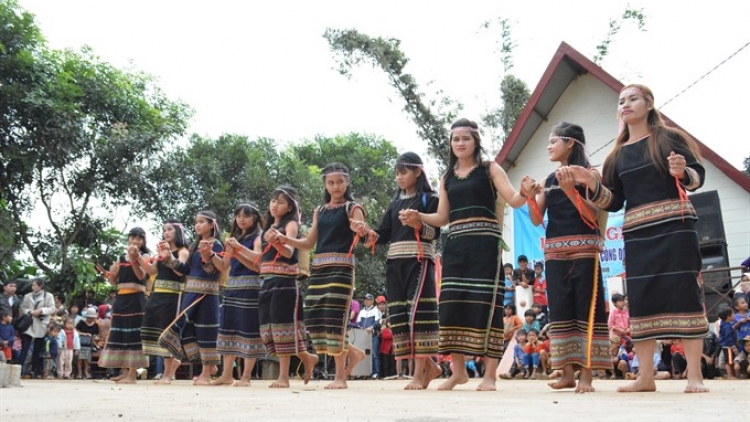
717 286
710 225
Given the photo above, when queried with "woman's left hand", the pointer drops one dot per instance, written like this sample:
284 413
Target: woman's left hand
677 165
565 178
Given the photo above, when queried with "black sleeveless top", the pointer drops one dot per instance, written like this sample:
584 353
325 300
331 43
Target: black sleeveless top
562 214
334 234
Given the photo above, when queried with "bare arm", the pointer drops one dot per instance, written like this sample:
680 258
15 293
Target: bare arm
540 199
306 243
442 216
247 256
504 188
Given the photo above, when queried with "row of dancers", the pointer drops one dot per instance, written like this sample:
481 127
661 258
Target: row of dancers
263 312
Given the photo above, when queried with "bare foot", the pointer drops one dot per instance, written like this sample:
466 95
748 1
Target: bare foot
584 382
696 387
310 361
119 377
203 379
280 383
337 385
164 381
458 377
562 383
126 380
242 383
555 374
431 371
487 385
638 385
355 357
222 380
414 385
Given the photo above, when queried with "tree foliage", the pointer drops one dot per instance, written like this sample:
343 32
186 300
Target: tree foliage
629 14
746 163
77 134
432 117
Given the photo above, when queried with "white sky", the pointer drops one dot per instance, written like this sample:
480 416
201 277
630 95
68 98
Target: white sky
264 69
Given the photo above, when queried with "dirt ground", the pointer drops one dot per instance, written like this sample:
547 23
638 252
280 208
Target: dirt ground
367 401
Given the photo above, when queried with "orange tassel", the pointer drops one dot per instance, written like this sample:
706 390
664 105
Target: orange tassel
683 196
420 250
535 207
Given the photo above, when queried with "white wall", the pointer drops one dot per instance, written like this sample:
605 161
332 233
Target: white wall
591 104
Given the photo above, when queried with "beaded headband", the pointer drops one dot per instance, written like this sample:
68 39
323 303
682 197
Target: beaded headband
251 206
336 173
635 90
296 204
213 219
568 138
469 128
419 166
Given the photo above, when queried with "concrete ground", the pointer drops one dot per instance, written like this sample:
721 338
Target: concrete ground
380 401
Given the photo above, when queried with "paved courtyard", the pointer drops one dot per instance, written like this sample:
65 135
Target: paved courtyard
367 401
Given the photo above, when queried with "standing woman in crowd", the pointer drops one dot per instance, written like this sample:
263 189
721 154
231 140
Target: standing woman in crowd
578 322
39 305
161 309
239 332
471 292
650 167
192 336
123 348
410 272
331 283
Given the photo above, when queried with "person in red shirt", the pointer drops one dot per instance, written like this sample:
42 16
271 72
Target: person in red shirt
540 287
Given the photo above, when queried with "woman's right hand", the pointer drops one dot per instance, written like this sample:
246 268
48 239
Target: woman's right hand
582 176
163 248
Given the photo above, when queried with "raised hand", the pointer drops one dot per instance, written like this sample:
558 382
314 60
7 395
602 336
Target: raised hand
565 178
677 165
409 217
581 175
358 226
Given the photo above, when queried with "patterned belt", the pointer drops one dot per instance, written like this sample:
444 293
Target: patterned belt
130 288
202 286
479 226
168 286
656 213
409 249
243 282
332 258
279 268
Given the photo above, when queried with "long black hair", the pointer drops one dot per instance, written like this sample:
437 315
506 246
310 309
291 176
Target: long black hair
478 150
571 132
290 196
180 241
250 210
412 161
215 232
139 232
337 168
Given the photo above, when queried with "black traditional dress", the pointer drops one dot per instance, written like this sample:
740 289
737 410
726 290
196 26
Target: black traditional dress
123 348
410 278
331 283
471 291
662 255
239 330
161 308
193 335
280 303
578 320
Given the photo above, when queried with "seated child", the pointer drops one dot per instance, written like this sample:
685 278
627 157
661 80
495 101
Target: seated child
741 367
517 369
530 322
532 351
6 336
541 316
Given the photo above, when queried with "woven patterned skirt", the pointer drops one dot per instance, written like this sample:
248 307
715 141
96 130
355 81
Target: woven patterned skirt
280 315
123 349
412 307
192 337
663 262
471 295
328 300
239 330
578 320
161 310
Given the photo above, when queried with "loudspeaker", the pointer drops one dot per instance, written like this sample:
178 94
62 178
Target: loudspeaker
710 225
717 286
360 338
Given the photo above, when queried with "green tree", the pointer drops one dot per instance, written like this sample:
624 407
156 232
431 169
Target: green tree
78 134
629 14
747 166
432 117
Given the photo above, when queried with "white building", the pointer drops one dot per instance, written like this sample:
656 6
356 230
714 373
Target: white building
576 90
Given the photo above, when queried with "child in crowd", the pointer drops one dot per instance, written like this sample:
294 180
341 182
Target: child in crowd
523 275
727 339
530 321
511 323
540 314
532 352
635 367
619 320
510 285
518 368
741 317
387 358
741 367
88 333
540 289
679 362
68 344
621 359
6 336
49 351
